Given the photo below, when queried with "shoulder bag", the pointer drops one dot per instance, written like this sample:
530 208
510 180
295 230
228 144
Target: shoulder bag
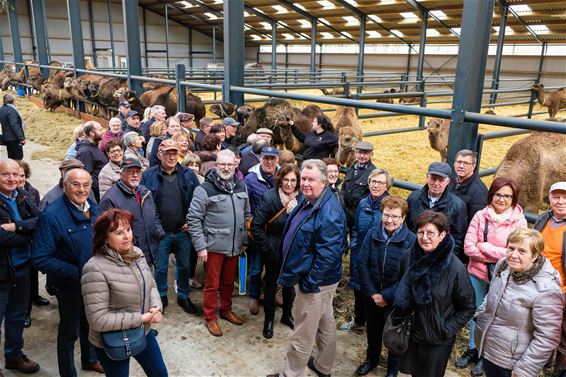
122 344
490 266
397 332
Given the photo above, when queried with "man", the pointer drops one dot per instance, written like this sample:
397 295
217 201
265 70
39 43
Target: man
204 128
552 225
252 158
18 220
12 128
266 134
467 184
260 179
217 222
133 122
157 114
128 194
57 191
61 247
172 126
313 240
435 196
355 186
123 110
231 126
172 186
187 123
114 132
90 155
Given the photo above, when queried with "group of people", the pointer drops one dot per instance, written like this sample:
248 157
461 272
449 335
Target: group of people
454 252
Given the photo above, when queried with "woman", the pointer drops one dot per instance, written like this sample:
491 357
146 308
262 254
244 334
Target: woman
182 140
78 135
486 242
267 229
378 265
133 144
156 130
220 131
368 214
114 132
320 142
238 173
436 288
192 161
110 173
518 326
210 148
334 180
113 283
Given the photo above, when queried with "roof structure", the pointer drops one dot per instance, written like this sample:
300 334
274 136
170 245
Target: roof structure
388 21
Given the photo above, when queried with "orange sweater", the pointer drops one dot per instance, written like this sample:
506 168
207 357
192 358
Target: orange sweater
553 238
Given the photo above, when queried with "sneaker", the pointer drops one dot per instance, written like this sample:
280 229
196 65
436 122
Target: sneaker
351 326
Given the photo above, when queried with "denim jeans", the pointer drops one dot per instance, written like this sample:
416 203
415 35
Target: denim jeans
179 243
480 289
150 359
13 310
254 270
72 325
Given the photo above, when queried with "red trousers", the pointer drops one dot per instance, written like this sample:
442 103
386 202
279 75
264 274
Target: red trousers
220 276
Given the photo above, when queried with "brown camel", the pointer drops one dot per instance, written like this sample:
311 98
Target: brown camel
438 130
554 101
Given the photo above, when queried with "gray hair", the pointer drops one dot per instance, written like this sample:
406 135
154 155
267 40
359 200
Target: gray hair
114 120
379 171
468 153
318 164
252 138
8 98
129 138
172 119
156 108
69 172
204 121
226 153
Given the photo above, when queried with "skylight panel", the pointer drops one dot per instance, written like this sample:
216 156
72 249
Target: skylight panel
373 34
304 24
540 28
438 14
185 4
288 36
280 9
457 30
508 30
397 32
345 33
352 2
326 4
256 37
266 25
432 33
246 14
300 7
211 16
409 16
375 18
327 35
521 8
351 20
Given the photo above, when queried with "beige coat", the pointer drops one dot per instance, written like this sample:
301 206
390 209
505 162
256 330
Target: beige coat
112 293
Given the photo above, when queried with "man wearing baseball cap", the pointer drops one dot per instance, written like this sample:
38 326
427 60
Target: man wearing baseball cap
552 225
123 110
133 122
435 196
231 126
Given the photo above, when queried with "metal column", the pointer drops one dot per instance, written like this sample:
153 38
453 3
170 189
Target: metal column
362 45
233 50
273 45
76 31
1 53
214 44
403 87
470 74
92 36
167 34
191 48
40 37
31 31
313 45
15 33
133 51
109 6
146 58
537 80
500 42
422 47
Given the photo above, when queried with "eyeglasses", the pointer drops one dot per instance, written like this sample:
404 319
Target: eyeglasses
331 171
358 151
170 154
226 165
377 183
502 196
289 180
394 218
465 163
76 185
426 233
115 151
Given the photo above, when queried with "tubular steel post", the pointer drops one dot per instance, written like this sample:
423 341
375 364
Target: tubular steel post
40 37
214 44
313 47
1 54
470 74
76 31
191 48
273 45
167 34
403 87
31 27
362 47
233 51
181 96
422 47
133 52
109 7
537 80
15 33
146 58
92 36
500 42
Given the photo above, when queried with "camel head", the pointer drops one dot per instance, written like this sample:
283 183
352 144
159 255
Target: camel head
91 91
490 112
69 82
537 88
223 109
82 87
283 119
347 138
36 81
434 126
246 111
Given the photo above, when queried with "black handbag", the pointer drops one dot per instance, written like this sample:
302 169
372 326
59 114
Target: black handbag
397 332
490 266
122 344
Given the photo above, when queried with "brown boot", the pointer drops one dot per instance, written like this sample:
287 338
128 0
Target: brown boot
232 318
214 328
96 367
253 306
22 364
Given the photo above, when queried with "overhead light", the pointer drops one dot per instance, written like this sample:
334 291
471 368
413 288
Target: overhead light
327 35
540 28
185 4
266 25
326 4
351 20
373 34
304 24
438 14
432 33
280 9
211 16
522 8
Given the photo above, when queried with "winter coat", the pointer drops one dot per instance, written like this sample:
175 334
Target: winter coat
112 294
217 217
146 225
249 160
207 161
62 244
257 186
480 251
108 137
35 197
93 160
19 239
519 326
316 145
354 189
152 178
12 124
55 193
378 262
269 237
450 293
449 204
366 217
132 153
109 175
197 145
473 193
314 256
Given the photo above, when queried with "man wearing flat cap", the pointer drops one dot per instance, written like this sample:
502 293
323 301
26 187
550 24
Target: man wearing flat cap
187 122
123 110
57 190
435 196
552 225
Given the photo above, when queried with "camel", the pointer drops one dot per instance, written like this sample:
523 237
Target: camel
167 97
387 100
223 110
535 163
332 91
438 130
348 137
346 116
249 124
554 101
303 121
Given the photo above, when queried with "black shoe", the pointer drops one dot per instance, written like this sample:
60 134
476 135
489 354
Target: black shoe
391 374
27 322
187 305
477 371
311 366
469 356
40 301
268 329
164 301
287 319
365 368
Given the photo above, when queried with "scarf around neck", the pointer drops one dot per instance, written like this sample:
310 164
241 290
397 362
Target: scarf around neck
523 277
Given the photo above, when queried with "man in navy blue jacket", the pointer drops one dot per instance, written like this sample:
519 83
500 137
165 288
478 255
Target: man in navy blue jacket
313 241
